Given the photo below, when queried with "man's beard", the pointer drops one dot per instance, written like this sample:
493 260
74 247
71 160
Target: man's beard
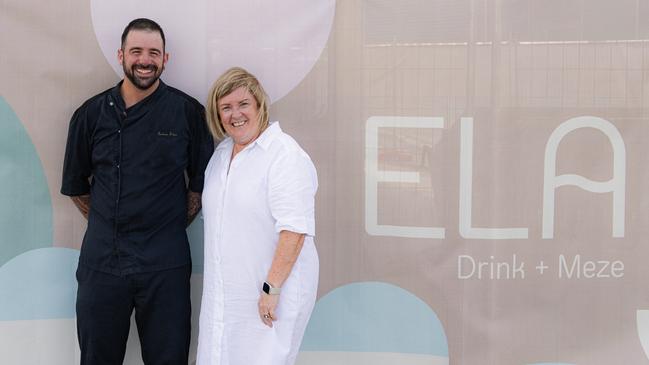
142 84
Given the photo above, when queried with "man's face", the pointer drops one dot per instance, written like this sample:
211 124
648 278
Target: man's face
142 57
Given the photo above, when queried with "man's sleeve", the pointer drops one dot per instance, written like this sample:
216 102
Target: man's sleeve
78 150
201 147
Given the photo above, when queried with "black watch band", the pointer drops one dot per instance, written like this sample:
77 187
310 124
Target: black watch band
270 290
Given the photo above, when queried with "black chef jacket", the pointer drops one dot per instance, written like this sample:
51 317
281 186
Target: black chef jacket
133 163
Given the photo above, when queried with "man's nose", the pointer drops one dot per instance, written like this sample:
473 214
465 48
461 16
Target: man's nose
144 59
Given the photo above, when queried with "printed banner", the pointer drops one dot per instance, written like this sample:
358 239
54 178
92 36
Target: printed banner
482 168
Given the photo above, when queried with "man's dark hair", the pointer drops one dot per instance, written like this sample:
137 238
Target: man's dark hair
143 24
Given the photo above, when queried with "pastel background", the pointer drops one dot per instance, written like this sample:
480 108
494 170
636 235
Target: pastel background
441 129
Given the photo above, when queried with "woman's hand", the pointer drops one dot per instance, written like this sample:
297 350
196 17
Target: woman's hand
267 305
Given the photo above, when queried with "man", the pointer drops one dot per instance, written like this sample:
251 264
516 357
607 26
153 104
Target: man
129 153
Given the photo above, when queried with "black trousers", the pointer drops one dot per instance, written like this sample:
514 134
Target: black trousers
161 301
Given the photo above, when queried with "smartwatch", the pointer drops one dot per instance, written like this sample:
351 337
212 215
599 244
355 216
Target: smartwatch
270 290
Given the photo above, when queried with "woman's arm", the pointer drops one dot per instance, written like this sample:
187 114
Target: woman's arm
287 251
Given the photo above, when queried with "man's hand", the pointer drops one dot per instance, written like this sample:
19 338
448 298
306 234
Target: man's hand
193 206
83 203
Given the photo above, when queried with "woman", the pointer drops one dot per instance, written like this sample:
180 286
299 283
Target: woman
261 265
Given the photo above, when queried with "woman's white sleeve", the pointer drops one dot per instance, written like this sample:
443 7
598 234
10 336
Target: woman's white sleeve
292 184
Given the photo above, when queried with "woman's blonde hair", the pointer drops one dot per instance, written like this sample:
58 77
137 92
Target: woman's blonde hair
229 81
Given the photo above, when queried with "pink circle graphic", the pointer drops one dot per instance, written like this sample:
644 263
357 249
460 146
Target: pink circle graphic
279 41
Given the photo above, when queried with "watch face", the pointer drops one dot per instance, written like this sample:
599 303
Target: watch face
266 288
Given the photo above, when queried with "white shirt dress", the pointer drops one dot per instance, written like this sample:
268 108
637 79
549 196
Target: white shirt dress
268 187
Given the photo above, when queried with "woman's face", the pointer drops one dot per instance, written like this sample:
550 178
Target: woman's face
239 115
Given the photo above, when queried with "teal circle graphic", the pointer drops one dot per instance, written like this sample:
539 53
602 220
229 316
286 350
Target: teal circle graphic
39 284
374 317
195 236
26 209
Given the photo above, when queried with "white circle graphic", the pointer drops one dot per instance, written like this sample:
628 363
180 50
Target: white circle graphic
277 40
